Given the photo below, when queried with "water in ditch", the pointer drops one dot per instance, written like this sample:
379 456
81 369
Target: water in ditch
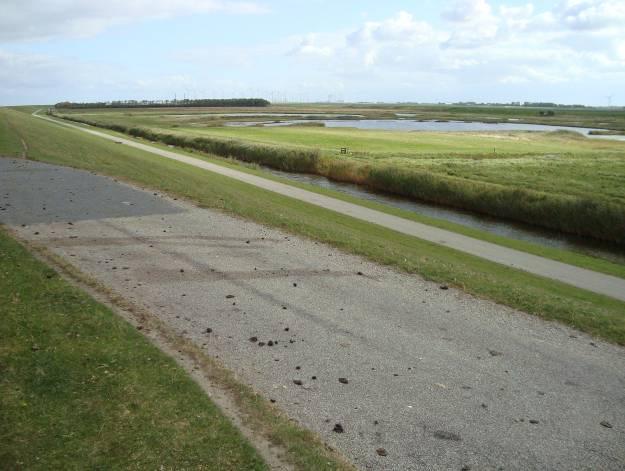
512 230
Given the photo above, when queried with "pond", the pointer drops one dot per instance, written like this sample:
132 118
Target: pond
431 125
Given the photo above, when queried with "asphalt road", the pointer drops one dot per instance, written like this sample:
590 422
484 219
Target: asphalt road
586 279
438 379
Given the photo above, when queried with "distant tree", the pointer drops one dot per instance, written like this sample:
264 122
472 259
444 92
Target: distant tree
201 103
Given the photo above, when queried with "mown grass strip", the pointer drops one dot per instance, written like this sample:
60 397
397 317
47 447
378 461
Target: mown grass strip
10 143
82 389
549 299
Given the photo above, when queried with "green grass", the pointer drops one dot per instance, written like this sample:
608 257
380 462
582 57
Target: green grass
81 389
558 180
409 148
575 258
10 143
592 313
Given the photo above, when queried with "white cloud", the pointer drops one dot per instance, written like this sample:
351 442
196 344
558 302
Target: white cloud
511 45
468 11
401 28
313 45
474 24
591 14
513 79
620 50
388 40
33 71
32 19
517 18
480 47
549 75
39 78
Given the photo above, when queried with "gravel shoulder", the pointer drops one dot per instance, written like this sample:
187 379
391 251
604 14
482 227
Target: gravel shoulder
434 377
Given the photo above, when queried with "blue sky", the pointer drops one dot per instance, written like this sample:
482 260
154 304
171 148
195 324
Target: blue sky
569 51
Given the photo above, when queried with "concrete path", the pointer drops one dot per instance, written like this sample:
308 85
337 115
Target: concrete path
586 279
436 378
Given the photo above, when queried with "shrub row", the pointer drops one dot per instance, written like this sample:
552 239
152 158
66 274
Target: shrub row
570 214
205 102
281 158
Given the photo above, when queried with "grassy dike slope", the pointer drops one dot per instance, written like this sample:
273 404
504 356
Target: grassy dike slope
593 313
10 143
81 389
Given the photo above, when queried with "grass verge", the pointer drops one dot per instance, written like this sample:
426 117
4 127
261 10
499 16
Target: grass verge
82 389
10 143
596 314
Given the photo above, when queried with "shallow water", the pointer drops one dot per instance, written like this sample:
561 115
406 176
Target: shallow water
276 115
444 126
499 227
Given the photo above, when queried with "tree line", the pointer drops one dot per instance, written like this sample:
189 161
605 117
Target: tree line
205 102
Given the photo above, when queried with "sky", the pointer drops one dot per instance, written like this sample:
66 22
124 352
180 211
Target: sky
568 51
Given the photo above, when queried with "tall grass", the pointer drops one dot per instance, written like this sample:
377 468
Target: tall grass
569 214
